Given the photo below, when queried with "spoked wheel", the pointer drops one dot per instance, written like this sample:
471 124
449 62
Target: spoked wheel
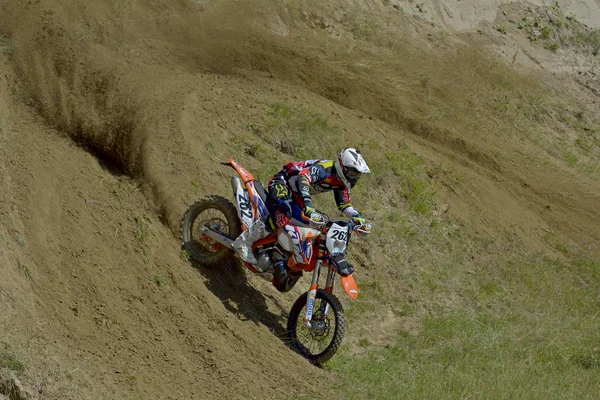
319 342
217 214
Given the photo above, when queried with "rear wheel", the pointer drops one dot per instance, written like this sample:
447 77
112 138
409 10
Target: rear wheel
319 342
218 214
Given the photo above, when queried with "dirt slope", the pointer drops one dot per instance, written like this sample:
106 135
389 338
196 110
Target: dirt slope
97 302
110 110
96 299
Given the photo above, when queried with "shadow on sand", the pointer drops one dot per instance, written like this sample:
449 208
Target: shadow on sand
230 284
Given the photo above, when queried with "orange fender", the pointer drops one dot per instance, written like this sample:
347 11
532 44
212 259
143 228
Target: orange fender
350 286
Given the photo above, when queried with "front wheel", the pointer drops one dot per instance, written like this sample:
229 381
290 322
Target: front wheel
218 214
319 342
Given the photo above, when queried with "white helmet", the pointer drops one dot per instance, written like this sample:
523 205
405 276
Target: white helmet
350 165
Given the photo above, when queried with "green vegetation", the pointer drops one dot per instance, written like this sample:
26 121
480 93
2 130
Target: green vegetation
160 280
198 186
10 361
502 28
589 39
405 170
7 46
285 128
20 239
519 324
472 316
185 255
553 47
143 231
555 29
364 29
485 319
122 6
25 270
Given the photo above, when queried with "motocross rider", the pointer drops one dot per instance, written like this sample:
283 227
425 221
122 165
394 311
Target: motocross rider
289 198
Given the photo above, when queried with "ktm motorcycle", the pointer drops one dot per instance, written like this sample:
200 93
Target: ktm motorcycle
315 325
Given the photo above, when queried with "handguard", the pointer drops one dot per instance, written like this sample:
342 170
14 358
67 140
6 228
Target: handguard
362 231
317 220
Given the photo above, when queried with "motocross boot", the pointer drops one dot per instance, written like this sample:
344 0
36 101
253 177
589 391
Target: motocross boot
280 275
243 244
284 280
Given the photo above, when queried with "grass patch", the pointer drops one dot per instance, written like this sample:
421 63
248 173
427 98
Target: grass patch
524 326
404 171
409 167
364 29
478 317
142 229
20 239
553 47
289 132
7 46
447 175
587 39
298 131
143 232
25 270
10 361
185 255
502 28
160 280
197 186
554 29
362 26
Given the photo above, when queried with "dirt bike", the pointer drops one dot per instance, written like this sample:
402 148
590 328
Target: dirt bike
315 325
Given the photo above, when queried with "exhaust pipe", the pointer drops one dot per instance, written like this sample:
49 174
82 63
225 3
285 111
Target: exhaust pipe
235 183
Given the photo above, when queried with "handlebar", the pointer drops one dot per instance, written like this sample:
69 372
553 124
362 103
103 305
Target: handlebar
362 230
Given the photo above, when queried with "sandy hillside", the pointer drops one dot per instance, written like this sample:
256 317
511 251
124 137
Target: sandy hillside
96 299
98 303
469 15
113 118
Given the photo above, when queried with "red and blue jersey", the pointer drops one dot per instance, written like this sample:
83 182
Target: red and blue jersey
316 176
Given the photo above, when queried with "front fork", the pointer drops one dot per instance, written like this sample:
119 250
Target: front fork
312 292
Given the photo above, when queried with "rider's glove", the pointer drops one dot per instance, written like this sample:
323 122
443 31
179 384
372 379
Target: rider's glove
314 218
309 209
358 220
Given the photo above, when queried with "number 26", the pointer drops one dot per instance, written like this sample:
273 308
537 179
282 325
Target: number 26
339 235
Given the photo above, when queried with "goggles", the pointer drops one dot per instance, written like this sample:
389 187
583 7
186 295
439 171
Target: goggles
352 173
